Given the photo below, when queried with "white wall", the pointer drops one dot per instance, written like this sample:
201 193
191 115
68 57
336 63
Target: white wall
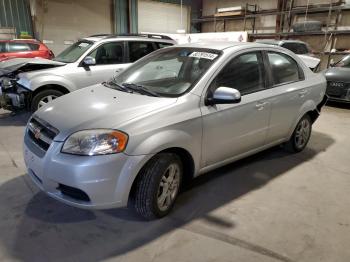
63 21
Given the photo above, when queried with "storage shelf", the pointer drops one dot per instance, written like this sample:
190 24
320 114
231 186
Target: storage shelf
295 10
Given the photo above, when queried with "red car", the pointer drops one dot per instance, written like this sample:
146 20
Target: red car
24 48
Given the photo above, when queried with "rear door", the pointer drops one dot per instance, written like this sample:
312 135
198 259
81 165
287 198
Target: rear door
139 49
288 90
230 130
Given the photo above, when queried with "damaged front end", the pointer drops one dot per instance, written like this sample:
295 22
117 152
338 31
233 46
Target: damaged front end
13 96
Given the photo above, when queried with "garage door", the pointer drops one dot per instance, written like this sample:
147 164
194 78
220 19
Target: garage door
160 17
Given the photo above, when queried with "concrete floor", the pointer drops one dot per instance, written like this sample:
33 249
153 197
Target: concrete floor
270 207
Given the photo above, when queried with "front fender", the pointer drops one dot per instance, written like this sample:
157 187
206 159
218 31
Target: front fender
168 139
42 80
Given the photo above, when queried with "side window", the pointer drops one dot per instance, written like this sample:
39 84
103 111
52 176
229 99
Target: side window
139 49
18 47
161 45
244 73
33 47
284 69
109 53
2 47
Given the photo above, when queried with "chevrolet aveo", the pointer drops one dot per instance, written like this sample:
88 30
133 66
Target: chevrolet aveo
173 115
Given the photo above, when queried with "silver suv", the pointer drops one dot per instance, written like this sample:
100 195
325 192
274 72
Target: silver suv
35 82
176 113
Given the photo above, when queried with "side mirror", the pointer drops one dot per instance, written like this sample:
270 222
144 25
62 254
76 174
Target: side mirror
224 95
88 61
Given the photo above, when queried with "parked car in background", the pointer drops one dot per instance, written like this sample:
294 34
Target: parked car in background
338 80
173 115
34 82
24 48
298 47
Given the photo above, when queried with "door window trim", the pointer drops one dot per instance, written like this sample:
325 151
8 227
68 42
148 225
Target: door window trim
265 76
270 76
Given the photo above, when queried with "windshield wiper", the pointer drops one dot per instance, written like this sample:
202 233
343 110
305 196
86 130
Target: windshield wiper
140 89
114 85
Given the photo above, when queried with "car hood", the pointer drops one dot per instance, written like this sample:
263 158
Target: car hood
16 65
340 74
97 107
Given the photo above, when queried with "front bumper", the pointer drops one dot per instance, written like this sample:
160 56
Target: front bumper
338 93
14 98
105 180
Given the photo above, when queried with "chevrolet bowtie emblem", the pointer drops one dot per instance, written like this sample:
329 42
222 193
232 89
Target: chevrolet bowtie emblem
37 133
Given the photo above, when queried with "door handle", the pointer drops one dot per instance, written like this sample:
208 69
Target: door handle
260 105
118 70
302 93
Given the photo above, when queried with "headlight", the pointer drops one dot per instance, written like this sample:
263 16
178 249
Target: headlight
7 83
95 142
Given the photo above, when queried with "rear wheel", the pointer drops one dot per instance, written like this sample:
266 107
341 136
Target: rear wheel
44 97
158 186
301 135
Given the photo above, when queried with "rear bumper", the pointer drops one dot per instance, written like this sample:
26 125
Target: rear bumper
323 102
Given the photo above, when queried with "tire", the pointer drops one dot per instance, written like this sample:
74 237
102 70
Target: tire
41 96
149 192
300 136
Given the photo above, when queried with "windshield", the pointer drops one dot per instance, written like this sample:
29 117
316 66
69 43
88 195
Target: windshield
73 52
169 72
344 62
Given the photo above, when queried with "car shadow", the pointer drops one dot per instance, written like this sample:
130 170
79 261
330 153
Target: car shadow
35 227
8 118
341 105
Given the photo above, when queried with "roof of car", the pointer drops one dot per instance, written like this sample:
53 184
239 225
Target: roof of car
21 40
147 37
221 45
279 42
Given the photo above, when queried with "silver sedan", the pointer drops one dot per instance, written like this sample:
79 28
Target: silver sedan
176 113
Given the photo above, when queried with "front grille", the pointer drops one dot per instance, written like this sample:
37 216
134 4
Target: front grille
73 192
41 133
336 89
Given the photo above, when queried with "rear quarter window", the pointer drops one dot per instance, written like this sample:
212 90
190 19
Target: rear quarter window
33 47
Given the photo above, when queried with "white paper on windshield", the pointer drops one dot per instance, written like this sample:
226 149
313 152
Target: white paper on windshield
204 55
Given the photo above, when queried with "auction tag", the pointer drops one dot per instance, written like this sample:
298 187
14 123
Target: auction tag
204 55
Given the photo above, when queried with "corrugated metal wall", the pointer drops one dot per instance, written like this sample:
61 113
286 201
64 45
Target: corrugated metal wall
16 14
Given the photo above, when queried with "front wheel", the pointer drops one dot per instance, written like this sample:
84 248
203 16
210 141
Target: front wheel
158 186
44 97
301 135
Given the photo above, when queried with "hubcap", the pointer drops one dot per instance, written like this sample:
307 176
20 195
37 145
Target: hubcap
46 100
302 133
168 187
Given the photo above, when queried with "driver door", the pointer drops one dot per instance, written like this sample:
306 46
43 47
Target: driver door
230 130
110 60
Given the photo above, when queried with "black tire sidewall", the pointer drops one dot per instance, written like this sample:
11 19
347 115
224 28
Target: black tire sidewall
170 159
153 172
36 99
292 140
